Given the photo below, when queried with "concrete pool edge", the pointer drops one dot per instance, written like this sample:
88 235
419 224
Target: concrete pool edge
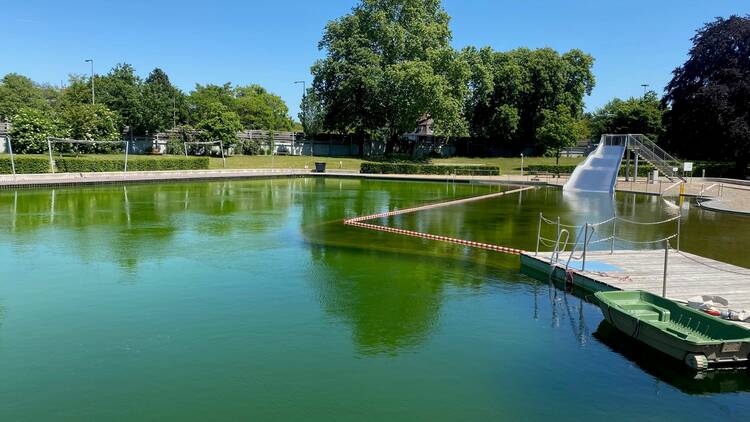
46 180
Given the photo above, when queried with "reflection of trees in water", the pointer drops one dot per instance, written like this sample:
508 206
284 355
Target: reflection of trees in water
127 224
387 310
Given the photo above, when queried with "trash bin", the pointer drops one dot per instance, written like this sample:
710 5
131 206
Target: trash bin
320 167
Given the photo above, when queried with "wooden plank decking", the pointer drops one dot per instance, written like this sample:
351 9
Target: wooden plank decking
688 275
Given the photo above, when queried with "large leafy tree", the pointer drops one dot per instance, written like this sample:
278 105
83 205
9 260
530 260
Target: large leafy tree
30 129
220 124
513 94
17 92
389 63
120 91
203 99
260 109
634 115
162 103
92 122
709 95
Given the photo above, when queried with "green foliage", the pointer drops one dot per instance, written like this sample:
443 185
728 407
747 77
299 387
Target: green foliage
634 115
709 95
549 168
220 124
92 123
120 91
387 65
248 147
260 109
205 97
311 113
511 92
406 168
17 92
102 164
558 130
24 164
30 129
161 103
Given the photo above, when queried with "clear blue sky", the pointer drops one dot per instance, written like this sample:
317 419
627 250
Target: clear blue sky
273 43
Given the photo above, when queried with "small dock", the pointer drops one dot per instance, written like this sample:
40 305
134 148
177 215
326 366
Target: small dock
688 275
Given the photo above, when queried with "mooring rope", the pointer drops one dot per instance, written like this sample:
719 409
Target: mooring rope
359 222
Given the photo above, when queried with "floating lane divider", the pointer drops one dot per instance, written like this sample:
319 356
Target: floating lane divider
360 222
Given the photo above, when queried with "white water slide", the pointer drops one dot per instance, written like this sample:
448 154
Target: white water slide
598 173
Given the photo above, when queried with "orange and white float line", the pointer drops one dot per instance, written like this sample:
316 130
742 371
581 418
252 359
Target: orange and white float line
359 222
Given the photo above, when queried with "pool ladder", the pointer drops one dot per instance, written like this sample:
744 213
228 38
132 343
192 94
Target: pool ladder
587 231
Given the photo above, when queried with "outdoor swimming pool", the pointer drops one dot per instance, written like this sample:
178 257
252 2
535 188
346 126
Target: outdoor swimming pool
249 299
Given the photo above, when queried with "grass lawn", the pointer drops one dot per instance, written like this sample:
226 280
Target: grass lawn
507 165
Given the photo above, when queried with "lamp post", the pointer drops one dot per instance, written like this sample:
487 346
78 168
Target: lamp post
645 89
521 165
304 94
92 79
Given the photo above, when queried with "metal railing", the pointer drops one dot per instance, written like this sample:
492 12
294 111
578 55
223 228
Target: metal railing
585 238
655 155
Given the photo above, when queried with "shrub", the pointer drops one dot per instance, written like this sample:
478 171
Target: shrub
24 165
97 164
549 168
406 168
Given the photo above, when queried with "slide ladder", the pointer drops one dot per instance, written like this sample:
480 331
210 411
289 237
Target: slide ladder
598 173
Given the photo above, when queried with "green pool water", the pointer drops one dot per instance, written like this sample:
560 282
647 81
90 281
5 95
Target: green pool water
249 300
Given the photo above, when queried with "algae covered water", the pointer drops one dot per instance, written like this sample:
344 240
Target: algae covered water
250 300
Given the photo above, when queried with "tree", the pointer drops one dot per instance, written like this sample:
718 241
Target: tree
260 109
311 114
709 95
558 130
162 103
203 99
120 91
92 122
17 92
30 129
511 93
220 124
387 65
634 115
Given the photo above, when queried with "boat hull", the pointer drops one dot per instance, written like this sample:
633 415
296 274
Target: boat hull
678 341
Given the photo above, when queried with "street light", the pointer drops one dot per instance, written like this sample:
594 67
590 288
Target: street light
521 165
645 87
304 93
92 79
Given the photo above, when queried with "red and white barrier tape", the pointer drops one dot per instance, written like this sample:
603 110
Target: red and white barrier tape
358 222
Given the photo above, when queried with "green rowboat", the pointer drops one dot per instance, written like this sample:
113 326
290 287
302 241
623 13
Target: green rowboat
684 333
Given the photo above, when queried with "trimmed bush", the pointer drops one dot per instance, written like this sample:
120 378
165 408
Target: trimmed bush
549 168
406 168
24 164
99 164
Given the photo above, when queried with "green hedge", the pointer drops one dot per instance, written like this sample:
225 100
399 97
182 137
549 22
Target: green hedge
24 165
549 168
98 164
406 168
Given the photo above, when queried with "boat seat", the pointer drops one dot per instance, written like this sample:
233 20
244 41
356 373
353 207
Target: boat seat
647 311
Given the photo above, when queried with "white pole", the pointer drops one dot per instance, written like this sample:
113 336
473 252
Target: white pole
127 147
12 160
221 147
49 149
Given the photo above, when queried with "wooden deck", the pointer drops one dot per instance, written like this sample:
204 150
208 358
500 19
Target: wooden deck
688 275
